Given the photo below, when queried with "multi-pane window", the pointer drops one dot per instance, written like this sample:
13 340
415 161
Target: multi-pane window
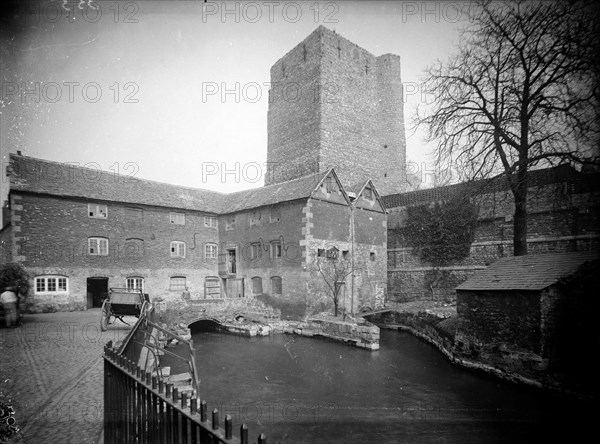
210 251
276 250
276 287
275 213
135 283
97 211
178 283
51 284
177 218
98 246
210 221
177 249
230 223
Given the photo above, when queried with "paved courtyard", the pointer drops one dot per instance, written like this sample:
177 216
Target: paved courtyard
52 373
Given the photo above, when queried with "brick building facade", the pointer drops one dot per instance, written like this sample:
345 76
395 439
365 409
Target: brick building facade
79 232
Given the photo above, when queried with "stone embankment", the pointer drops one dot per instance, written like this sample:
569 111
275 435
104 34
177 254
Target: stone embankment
436 323
360 333
251 317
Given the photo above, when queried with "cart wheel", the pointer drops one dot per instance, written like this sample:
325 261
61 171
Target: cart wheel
105 316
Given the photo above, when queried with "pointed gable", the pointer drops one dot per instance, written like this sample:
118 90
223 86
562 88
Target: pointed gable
367 197
330 189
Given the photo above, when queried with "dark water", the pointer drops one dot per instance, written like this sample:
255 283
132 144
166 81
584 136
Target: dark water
302 390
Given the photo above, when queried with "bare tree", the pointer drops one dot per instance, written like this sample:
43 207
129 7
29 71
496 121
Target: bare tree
521 91
334 270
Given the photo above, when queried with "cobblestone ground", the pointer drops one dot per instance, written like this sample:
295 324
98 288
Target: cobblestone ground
52 373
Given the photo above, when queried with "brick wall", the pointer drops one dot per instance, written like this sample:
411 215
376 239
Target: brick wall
347 113
288 231
333 226
51 234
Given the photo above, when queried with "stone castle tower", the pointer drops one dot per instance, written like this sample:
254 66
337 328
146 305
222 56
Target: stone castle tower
334 104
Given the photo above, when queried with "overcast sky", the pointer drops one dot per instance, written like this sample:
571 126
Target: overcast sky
121 88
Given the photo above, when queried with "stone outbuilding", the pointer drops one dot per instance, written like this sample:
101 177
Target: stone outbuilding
533 317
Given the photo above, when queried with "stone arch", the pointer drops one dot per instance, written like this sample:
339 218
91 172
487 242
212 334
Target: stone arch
204 324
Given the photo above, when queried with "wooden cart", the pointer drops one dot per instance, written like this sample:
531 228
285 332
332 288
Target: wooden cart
122 302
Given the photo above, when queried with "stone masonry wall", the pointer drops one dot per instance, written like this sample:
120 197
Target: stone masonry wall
346 112
362 123
558 221
294 114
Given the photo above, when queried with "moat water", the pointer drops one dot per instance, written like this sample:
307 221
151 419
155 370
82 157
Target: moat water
302 390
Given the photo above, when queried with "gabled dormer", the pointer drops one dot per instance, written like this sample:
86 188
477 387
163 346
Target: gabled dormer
330 189
365 196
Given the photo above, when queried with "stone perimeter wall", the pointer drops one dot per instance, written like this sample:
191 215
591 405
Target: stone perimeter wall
559 220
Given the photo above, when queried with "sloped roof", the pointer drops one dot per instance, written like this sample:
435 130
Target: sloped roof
61 179
294 189
577 182
531 272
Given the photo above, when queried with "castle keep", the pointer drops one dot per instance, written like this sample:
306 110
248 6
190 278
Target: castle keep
335 105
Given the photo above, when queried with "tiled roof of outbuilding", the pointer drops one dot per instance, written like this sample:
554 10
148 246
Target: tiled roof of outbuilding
530 272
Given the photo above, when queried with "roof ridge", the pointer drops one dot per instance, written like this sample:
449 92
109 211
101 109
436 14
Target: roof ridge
37 159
